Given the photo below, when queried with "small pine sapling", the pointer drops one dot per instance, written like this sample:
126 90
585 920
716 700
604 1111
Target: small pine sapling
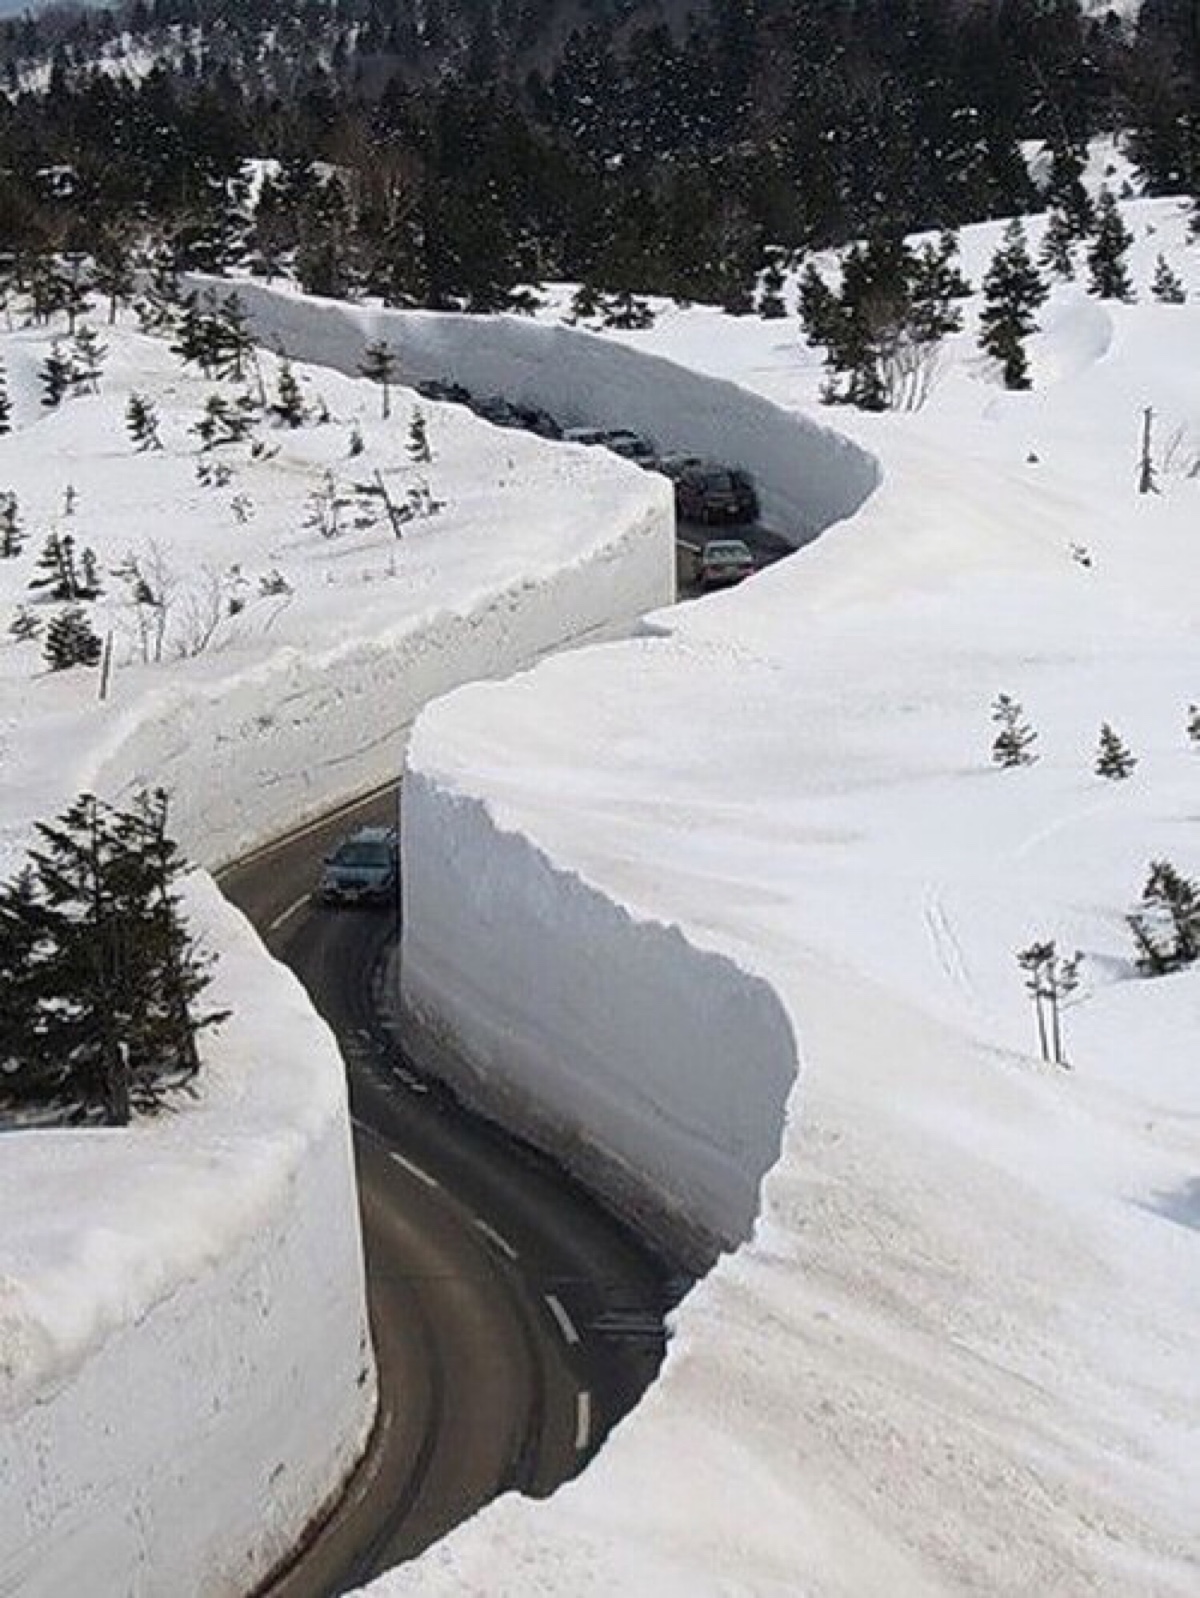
1166 926
1167 286
1114 759
55 376
1050 980
12 534
141 423
419 451
5 404
1013 743
356 444
1057 251
24 625
380 364
70 641
288 406
1110 278
90 586
56 571
87 361
771 306
1193 724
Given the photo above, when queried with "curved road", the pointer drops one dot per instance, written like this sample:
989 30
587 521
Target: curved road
515 1321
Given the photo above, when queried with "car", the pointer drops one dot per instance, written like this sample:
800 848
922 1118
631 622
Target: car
676 466
363 869
583 435
630 446
709 493
724 561
449 393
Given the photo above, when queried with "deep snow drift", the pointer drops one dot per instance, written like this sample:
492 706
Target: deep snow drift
958 1353
185 1375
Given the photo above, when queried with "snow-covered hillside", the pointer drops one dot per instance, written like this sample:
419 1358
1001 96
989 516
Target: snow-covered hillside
185 1375
957 1354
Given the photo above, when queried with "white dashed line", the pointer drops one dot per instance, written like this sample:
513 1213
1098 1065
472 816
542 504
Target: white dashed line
286 915
416 1170
583 1420
493 1236
565 1324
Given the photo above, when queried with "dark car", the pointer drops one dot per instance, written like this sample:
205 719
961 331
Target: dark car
363 869
451 393
724 561
715 494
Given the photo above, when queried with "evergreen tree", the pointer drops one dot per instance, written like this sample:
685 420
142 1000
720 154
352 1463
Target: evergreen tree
141 423
56 563
1013 291
820 310
5 403
90 586
419 452
24 625
1193 724
1066 191
1167 287
1110 278
1113 759
585 303
112 271
233 341
12 534
56 376
380 364
224 421
1166 928
770 297
1057 251
87 361
288 406
106 972
70 640
1013 744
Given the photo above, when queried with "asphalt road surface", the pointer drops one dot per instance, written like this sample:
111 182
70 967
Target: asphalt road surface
691 537
515 1321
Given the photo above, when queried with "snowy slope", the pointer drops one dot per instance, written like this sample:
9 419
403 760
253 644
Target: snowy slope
185 1374
957 1354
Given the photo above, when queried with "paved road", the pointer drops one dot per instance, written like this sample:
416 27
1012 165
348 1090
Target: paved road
690 537
515 1321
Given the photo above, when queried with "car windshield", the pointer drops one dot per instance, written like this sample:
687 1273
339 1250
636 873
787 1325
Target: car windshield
363 854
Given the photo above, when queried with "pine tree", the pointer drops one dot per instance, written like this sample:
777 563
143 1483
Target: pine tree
1057 251
380 364
55 377
1013 744
820 310
105 971
12 534
56 563
1066 190
1113 759
70 640
288 406
5 403
223 421
141 423
1166 927
112 271
234 343
1110 278
87 361
1167 287
356 443
419 451
90 586
24 625
1013 291
1193 724
585 303
770 297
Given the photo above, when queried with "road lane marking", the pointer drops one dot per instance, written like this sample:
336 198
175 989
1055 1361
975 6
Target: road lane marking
286 915
583 1420
493 1236
565 1324
416 1170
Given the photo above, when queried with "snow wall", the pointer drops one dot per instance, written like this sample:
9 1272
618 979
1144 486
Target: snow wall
185 1376
656 1070
807 476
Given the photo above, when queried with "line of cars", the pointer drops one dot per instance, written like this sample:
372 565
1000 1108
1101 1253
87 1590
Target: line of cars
707 492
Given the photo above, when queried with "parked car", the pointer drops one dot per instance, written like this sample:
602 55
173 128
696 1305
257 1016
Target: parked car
583 435
709 493
630 446
676 466
363 869
724 561
454 393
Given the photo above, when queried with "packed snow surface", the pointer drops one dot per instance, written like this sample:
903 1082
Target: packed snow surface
185 1374
958 1352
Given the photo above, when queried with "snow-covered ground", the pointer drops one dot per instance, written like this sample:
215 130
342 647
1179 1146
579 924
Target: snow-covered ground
185 1375
958 1352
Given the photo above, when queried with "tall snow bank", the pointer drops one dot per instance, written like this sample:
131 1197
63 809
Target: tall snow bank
656 1071
808 476
186 1375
